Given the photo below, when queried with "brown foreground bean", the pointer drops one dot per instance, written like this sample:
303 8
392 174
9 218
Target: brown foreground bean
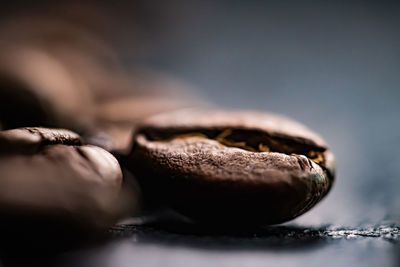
232 167
49 177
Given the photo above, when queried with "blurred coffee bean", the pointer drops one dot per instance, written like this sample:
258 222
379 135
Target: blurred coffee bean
51 183
56 73
38 90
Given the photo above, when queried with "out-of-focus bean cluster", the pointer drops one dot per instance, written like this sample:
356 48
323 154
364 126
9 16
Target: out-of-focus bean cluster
58 73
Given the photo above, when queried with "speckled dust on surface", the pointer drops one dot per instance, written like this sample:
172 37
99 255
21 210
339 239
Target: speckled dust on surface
389 232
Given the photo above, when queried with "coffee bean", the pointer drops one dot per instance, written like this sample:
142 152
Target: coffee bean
232 167
53 181
99 101
36 89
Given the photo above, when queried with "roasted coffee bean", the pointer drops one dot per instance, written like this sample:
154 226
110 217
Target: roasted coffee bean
50 180
81 86
232 167
36 89
99 102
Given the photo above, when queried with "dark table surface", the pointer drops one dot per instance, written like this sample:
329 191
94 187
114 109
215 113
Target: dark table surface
183 245
334 66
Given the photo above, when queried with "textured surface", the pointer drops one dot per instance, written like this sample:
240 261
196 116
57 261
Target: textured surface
135 245
219 176
273 124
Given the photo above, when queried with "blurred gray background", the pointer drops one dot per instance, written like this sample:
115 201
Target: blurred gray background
333 65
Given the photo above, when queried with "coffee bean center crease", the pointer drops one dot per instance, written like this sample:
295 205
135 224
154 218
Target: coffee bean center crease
256 141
